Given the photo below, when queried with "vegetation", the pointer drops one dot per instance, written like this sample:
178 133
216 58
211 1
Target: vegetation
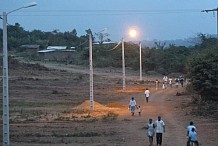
202 69
200 62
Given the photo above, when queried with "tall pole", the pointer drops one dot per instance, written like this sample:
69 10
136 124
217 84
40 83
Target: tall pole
5 116
123 65
91 72
140 60
216 16
5 84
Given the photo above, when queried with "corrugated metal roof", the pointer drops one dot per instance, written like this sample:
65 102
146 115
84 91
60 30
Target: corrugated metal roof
45 51
56 47
30 46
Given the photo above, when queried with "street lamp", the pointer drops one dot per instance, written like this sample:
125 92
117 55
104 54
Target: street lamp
133 34
6 140
123 65
140 61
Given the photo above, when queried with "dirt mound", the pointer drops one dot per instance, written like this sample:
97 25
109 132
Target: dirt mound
99 109
86 106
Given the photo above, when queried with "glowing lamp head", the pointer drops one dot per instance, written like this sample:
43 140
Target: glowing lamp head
132 33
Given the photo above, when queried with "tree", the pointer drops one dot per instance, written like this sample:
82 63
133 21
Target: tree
102 37
203 73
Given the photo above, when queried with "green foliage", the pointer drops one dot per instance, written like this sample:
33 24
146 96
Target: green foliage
202 70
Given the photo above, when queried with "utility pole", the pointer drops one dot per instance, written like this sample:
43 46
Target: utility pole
140 61
213 10
91 73
123 65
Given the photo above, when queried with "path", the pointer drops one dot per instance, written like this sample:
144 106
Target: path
159 104
129 131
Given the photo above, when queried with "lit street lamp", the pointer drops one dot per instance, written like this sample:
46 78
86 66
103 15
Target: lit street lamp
133 34
123 65
6 140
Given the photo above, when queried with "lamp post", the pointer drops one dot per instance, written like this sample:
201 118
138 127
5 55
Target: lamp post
6 140
133 34
123 65
140 61
91 72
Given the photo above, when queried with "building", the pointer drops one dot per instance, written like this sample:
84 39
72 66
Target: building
56 53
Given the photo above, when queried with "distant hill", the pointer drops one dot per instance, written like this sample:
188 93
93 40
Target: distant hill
178 42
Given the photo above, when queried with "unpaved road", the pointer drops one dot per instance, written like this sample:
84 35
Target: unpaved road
127 130
163 103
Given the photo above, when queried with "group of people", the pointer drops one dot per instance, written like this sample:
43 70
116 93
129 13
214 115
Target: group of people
133 106
157 127
169 81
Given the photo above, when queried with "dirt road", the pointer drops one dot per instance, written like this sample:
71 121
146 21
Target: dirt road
45 96
160 103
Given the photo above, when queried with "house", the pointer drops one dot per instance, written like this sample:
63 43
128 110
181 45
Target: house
28 48
56 53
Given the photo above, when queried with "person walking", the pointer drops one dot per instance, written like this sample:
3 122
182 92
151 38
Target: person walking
132 105
160 129
190 126
181 80
170 81
177 82
157 84
150 131
189 130
193 137
165 80
147 94
139 110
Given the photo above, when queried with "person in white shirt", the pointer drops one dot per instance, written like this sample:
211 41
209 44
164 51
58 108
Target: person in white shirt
160 129
132 105
165 79
170 82
189 130
150 131
147 94
139 110
193 136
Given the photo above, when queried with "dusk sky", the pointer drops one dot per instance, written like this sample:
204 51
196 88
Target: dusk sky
154 19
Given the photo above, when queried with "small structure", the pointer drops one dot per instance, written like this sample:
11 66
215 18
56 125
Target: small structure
29 48
56 53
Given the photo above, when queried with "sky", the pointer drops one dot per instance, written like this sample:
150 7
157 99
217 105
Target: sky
153 19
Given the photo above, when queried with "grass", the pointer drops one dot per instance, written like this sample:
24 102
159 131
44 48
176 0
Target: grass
109 117
76 134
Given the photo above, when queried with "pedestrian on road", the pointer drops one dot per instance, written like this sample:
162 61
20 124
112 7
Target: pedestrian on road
160 129
193 137
181 80
147 94
177 82
132 105
157 84
189 130
170 81
150 131
165 80
139 110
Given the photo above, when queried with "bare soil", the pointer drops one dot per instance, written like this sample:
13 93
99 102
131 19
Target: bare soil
49 106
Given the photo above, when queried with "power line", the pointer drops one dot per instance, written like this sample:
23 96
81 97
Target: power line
104 12
213 10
